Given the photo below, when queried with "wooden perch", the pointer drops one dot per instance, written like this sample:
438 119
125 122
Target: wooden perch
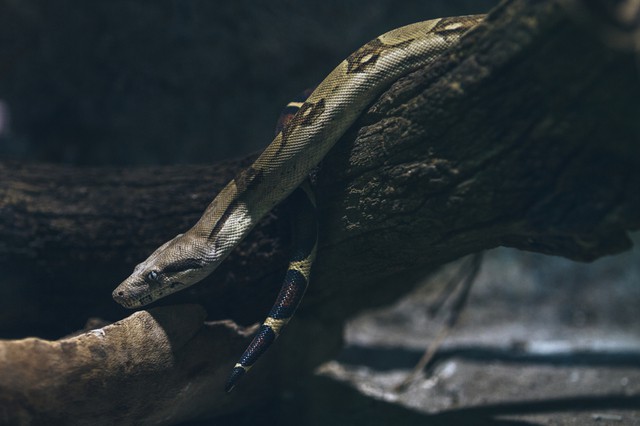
100 377
526 135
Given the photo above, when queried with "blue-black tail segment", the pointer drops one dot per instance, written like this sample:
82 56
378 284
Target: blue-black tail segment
290 295
234 377
257 347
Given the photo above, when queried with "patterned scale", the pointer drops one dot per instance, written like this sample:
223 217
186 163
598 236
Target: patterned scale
296 280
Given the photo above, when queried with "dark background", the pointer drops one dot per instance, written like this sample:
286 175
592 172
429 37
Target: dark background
182 81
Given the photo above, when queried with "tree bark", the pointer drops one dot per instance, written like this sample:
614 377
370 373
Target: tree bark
525 135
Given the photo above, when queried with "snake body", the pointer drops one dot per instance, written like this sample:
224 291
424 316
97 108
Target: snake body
282 167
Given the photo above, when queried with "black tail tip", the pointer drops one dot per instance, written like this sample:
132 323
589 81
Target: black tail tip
236 374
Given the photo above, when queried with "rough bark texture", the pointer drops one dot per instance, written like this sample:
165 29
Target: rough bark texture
525 135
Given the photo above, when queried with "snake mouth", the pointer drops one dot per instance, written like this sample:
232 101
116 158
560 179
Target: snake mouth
134 293
130 301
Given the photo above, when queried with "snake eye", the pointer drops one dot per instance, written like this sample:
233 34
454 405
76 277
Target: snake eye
152 276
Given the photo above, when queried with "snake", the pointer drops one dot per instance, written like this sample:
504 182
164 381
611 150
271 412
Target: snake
310 130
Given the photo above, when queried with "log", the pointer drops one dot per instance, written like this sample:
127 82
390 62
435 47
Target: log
523 135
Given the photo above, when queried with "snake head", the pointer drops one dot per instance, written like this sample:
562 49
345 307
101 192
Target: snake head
175 265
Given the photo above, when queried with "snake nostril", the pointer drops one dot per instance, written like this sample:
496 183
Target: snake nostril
121 293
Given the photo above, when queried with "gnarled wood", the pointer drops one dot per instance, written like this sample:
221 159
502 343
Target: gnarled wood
525 135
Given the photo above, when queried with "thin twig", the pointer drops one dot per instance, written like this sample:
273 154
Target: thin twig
457 306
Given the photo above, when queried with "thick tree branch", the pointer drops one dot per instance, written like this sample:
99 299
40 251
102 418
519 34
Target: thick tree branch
524 135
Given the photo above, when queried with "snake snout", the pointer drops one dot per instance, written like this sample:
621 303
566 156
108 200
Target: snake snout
131 293
119 296
122 297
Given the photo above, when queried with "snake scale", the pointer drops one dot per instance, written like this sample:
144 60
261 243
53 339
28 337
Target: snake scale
282 168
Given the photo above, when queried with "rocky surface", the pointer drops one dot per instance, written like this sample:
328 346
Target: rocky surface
543 341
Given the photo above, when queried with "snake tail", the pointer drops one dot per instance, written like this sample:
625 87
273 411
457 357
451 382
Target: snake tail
293 288
304 225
